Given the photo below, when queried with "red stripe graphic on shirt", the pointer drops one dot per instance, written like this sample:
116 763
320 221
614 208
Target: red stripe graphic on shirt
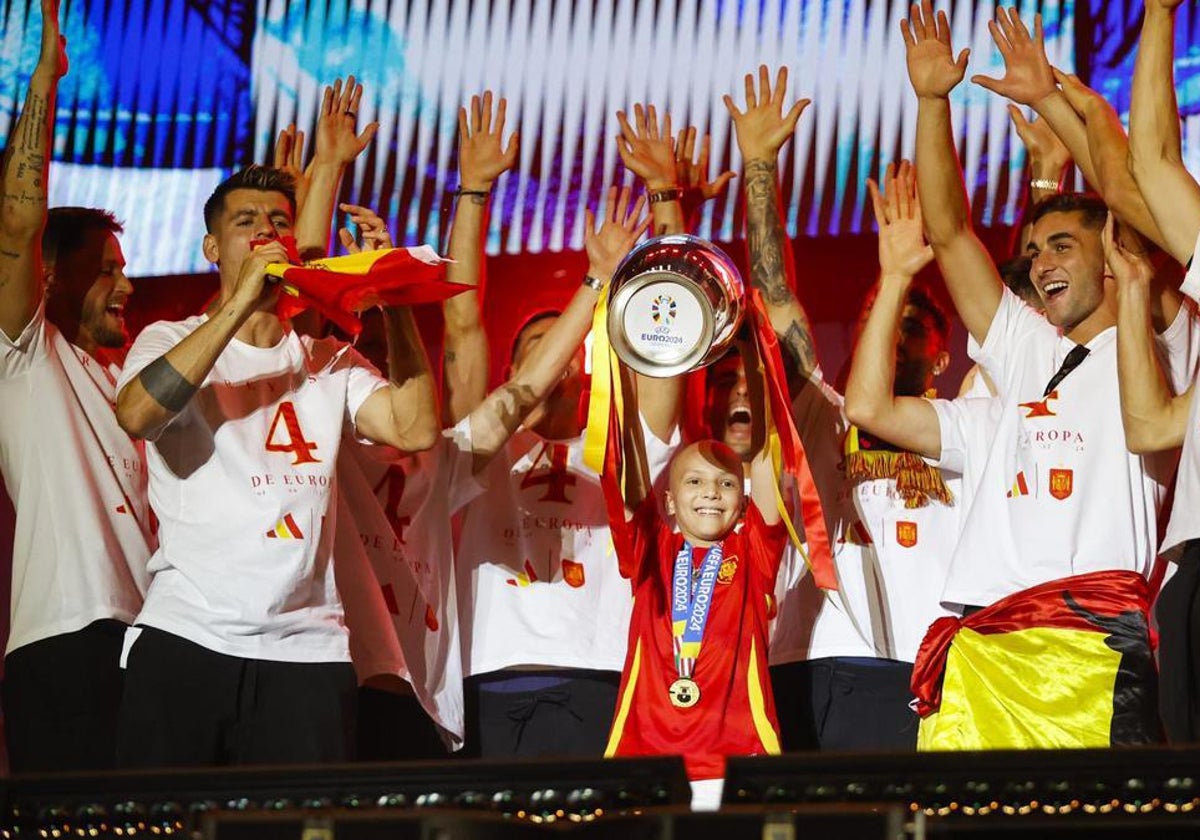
286 529
1020 487
389 598
524 578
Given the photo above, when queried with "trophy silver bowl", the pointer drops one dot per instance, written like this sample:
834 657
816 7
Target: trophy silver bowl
675 304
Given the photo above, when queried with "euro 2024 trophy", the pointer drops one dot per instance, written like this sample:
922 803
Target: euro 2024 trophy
676 303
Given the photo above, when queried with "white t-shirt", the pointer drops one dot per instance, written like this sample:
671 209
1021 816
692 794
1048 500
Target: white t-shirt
78 482
891 561
537 574
394 565
1058 493
242 481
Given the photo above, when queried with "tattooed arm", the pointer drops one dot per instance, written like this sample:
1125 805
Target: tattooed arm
503 410
26 168
761 130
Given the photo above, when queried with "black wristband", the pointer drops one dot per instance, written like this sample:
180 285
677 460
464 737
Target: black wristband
483 193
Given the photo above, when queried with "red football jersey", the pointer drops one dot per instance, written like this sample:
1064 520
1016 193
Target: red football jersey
735 714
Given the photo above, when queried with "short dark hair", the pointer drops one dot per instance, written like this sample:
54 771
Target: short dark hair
530 319
919 297
68 227
1015 274
1088 205
263 178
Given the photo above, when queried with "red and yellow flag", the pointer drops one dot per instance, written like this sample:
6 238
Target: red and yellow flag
1065 664
341 287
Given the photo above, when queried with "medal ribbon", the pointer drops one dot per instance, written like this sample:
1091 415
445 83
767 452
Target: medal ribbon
691 600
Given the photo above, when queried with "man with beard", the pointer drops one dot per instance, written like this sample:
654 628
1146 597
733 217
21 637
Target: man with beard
841 661
78 482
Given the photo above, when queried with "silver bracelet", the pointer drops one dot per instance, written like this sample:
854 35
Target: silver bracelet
592 283
1044 184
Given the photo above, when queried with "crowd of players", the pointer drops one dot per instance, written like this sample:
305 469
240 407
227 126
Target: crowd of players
238 542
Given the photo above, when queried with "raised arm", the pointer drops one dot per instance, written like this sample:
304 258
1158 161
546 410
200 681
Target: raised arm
1154 420
337 146
1108 148
1048 159
164 387
288 156
968 270
405 414
648 151
908 422
26 170
1155 153
499 415
482 158
761 131
1029 80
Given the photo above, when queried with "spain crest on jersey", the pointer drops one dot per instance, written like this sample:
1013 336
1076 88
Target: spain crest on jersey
1062 483
728 570
572 573
906 533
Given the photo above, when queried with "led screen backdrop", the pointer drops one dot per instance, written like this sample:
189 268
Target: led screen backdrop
166 96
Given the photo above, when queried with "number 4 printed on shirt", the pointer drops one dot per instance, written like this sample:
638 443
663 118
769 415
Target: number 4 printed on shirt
296 444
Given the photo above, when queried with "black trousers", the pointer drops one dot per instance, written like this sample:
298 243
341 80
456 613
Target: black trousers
186 705
394 727
845 704
570 717
61 698
1178 614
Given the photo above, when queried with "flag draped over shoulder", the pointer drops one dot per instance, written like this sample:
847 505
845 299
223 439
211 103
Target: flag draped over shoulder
1064 664
341 287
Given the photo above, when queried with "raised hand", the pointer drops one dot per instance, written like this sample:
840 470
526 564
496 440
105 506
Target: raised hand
764 126
289 158
1028 77
692 173
933 70
372 230
1048 155
1127 263
53 58
482 155
621 226
903 251
252 283
646 148
1085 101
337 143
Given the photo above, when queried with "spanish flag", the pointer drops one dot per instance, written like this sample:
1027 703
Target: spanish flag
1068 663
341 287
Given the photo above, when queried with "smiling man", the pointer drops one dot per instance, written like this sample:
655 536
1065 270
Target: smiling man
78 482
1061 508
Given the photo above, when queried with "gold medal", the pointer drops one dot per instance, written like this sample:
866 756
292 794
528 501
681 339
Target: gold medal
684 693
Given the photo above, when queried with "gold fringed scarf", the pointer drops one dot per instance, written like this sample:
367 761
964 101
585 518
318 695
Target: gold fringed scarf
868 457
